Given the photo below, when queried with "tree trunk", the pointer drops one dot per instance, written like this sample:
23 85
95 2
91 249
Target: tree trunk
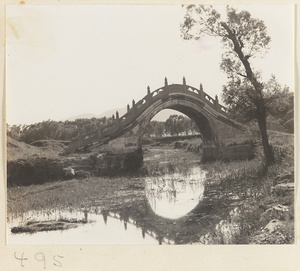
258 99
268 152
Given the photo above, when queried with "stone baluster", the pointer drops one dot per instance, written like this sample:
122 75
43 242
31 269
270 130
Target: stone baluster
133 108
217 102
184 84
118 119
148 97
201 93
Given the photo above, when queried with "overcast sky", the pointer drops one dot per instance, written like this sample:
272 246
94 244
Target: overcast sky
68 60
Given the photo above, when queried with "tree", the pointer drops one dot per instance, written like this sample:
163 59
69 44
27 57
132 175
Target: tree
243 38
159 128
175 125
149 129
170 125
279 100
155 128
14 131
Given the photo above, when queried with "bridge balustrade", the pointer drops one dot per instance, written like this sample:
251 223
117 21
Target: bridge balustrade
223 109
193 90
209 99
157 92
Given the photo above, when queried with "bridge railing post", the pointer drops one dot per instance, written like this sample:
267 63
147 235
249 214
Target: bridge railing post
133 107
117 119
201 93
216 102
166 86
184 84
148 96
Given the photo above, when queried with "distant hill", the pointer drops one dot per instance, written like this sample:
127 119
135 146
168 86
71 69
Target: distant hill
82 116
111 112
107 114
161 116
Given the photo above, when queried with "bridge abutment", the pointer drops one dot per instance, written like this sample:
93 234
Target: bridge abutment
233 143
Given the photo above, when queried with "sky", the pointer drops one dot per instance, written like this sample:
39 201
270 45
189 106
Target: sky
62 61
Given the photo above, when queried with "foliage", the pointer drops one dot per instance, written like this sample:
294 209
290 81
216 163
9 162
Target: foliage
57 130
243 38
178 124
174 125
278 100
156 128
66 130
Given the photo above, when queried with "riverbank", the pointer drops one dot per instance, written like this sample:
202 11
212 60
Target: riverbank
265 213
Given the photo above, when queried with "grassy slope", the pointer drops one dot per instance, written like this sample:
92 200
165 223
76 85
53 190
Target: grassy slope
20 150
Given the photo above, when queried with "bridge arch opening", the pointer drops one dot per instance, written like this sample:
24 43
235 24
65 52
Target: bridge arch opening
169 122
204 123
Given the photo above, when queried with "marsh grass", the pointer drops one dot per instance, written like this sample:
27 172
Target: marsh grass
170 161
74 194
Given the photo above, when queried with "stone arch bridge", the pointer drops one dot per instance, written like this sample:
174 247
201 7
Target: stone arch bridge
222 137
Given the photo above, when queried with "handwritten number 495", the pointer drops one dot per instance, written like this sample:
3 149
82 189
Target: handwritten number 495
40 257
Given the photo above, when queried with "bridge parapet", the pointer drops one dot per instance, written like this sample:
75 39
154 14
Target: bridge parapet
164 92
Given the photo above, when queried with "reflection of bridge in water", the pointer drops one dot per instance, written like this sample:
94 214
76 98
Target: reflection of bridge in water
222 137
184 230
125 218
174 195
166 227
